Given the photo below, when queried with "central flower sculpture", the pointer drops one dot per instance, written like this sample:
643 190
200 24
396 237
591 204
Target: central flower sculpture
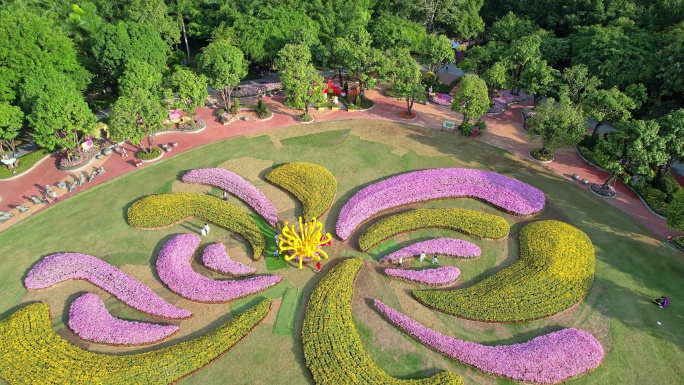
305 244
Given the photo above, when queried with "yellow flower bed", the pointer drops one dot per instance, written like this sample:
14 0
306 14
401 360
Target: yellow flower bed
311 184
332 348
555 271
469 222
32 353
164 210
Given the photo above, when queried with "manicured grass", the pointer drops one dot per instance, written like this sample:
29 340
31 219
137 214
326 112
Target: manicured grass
632 266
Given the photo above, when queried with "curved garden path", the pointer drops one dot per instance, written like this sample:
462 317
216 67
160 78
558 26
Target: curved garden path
503 131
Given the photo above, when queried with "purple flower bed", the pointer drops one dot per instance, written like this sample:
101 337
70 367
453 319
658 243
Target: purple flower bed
90 320
505 98
173 268
547 359
238 186
439 276
442 99
216 258
501 191
443 246
61 267
256 89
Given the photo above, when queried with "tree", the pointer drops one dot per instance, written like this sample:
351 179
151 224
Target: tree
496 77
137 116
558 124
191 89
608 106
393 31
459 16
481 57
510 28
672 131
224 65
675 211
11 122
399 68
140 75
182 9
435 50
575 83
522 53
59 116
471 98
538 79
154 14
301 82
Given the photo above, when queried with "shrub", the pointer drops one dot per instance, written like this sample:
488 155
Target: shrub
333 351
481 225
466 128
306 118
555 271
163 210
154 153
481 125
313 185
33 353
235 108
25 162
540 154
220 112
679 241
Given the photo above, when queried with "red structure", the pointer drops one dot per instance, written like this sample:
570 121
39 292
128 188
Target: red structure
332 89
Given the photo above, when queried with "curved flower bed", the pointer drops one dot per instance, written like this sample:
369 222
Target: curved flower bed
505 193
481 225
608 191
90 320
32 353
217 259
548 359
555 271
505 99
442 99
443 246
163 210
238 186
257 89
173 268
57 268
311 184
332 348
439 276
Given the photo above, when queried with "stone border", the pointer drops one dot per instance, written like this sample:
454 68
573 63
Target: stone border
81 166
406 119
529 153
603 196
184 131
154 159
309 122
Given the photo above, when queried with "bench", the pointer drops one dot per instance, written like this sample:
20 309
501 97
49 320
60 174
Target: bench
61 185
48 189
22 208
72 186
36 200
5 216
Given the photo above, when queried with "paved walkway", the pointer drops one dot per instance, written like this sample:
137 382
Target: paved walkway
504 132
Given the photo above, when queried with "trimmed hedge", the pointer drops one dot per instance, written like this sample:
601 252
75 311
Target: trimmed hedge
153 154
25 162
32 353
313 185
164 210
477 224
555 271
332 348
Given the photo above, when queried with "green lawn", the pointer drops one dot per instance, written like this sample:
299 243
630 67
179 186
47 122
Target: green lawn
632 266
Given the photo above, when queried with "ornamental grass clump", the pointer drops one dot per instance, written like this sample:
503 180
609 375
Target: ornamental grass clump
439 276
32 353
236 185
173 268
332 348
507 194
90 320
548 359
217 259
163 210
57 268
555 271
313 185
474 223
449 247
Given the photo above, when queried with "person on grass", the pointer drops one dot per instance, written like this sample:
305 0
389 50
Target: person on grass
662 301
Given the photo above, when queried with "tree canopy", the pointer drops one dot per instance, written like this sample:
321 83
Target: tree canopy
301 82
471 99
224 65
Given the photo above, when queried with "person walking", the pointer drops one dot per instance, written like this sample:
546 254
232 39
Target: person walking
123 152
276 254
225 196
203 232
422 256
206 227
434 259
319 266
401 262
54 196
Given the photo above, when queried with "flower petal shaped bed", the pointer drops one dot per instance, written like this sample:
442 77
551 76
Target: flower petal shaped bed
332 348
173 268
507 194
90 320
313 185
548 359
57 268
555 271
32 353
438 276
469 222
450 247
217 259
238 186
164 210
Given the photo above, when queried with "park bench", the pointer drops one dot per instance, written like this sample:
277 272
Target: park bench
5 216
22 208
36 200
61 185
72 186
